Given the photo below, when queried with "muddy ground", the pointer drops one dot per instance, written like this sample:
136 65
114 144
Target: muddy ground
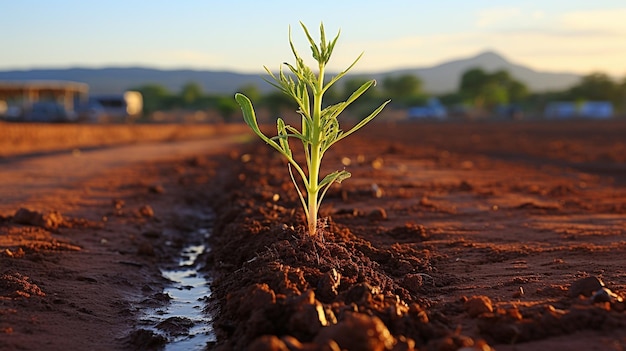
503 235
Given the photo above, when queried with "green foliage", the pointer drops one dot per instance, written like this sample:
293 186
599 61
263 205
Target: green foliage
320 126
487 90
191 93
596 86
406 89
367 102
226 107
277 101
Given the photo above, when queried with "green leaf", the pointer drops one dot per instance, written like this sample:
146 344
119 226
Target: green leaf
300 195
282 133
337 176
249 116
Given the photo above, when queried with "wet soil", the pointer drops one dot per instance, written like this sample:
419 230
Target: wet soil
500 235
81 279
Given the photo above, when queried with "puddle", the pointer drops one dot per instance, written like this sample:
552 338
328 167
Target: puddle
182 321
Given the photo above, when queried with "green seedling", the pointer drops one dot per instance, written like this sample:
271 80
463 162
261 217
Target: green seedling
320 126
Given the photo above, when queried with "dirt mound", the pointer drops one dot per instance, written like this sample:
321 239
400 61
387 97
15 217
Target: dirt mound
425 248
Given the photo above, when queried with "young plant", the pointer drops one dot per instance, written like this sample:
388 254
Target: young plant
320 126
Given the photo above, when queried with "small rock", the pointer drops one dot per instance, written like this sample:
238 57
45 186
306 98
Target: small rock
143 339
605 295
308 319
50 220
585 286
308 315
197 161
455 343
156 189
177 326
377 191
358 331
291 342
146 211
378 214
467 165
478 305
413 282
256 297
118 203
479 345
361 292
409 231
404 344
268 343
465 186
328 285
377 163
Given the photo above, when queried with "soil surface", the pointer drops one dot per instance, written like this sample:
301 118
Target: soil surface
448 236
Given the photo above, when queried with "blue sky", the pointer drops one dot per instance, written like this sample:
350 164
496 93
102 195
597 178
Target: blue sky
244 36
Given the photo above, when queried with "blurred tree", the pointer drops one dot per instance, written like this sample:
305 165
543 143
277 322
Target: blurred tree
190 93
404 90
226 106
332 95
487 90
402 86
363 106
472 81
518 91
622 89
352 84
596 86
277 101
451 99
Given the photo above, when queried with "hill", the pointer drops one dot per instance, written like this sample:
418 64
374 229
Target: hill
445 77
116 80
437 79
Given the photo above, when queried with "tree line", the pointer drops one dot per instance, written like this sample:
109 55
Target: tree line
477 89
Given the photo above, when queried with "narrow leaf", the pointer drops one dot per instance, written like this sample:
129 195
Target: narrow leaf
300 195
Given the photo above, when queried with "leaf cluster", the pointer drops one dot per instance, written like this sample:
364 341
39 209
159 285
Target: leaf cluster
320 127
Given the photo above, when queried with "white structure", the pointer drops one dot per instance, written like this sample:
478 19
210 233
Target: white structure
112 107
48 100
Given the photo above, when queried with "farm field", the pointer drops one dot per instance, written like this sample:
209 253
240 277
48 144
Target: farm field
503 235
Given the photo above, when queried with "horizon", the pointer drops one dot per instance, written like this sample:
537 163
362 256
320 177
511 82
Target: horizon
262 71
562 36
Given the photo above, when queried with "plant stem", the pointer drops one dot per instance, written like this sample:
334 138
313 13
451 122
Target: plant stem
320 128
312 199
316 153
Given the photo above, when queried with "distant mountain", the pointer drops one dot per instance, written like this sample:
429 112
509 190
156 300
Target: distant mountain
438 79
117 80
446 77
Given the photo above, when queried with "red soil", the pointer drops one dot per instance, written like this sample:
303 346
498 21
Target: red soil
448 236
